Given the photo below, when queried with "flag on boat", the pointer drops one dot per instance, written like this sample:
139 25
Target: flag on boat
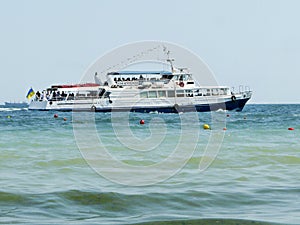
30 93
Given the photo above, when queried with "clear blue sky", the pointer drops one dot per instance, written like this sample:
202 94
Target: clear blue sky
250 42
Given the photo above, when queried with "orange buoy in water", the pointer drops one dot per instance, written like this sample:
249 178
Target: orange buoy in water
224 128
291 128
55 116
65 119
142 121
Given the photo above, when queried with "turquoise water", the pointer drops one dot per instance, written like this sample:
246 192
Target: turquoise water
254 179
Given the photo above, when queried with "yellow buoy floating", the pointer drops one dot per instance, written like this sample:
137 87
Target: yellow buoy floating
206 127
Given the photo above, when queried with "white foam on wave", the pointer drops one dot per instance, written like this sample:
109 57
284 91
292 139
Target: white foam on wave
12 109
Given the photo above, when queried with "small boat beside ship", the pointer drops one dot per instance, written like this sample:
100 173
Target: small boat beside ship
141 91
16 105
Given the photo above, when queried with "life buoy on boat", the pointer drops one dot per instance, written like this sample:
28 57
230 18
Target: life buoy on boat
181 84
233 98
93 108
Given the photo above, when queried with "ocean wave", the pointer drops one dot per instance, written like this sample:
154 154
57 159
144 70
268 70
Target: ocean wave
209 222
12 109
95 207
92 207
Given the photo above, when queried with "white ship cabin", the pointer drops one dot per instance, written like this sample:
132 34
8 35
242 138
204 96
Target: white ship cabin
163 84
146 79
217 91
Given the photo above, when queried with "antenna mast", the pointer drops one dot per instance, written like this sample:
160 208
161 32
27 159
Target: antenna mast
169 60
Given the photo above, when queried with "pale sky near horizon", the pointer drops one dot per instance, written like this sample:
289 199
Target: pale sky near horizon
250 42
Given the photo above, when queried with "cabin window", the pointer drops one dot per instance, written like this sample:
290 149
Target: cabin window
70 96
171 94
215 91
183 77
227 92
152 94
161 94
207 92
144 94
189 93
222 91
92 93
180 93
197 92
80 96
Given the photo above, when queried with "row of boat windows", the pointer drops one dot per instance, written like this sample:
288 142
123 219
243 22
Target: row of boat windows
57 96
184 93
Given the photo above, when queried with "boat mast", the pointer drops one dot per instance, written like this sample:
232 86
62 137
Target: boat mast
170 60
173 70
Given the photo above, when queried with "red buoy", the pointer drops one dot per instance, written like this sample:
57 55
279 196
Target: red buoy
142 122
55 116
291 128
224 128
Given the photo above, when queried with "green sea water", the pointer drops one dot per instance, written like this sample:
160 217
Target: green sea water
254 179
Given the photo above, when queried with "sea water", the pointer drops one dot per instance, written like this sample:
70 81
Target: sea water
252 179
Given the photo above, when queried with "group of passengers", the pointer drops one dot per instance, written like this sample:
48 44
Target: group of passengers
125 79
53 96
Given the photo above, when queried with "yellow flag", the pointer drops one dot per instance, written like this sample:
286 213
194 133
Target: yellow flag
30 93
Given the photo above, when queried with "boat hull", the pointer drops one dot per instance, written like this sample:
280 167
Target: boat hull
237 105
230 105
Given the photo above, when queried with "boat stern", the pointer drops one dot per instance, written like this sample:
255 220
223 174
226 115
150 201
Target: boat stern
38 105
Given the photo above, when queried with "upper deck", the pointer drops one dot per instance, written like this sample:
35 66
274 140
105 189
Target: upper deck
143 79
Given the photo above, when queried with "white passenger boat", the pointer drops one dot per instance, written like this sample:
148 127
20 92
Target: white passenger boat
141 91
